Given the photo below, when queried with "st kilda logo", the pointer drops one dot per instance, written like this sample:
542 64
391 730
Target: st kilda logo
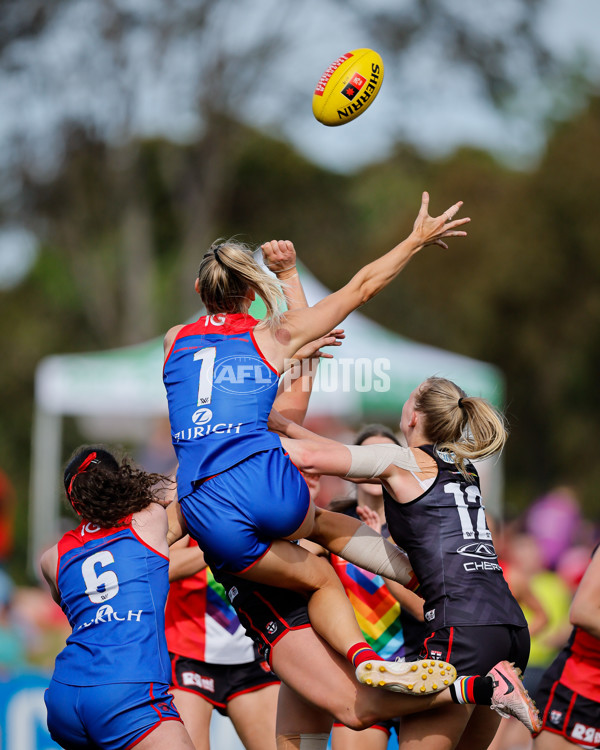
353 86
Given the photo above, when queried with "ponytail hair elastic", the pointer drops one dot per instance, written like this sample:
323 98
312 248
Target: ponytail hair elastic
217 256
83 460
460 403
214 251
91 458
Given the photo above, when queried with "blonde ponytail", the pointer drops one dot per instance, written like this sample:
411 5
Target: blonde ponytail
228 272
467 427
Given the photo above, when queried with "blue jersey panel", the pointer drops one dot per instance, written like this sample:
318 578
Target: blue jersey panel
113 590
220 391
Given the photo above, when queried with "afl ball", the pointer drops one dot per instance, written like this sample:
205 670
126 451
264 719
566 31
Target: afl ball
348 87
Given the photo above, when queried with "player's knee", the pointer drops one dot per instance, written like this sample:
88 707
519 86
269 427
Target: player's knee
363 716
316 574
323 574
354 720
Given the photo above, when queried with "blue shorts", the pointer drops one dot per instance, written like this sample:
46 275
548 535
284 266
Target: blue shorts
234 516
111 717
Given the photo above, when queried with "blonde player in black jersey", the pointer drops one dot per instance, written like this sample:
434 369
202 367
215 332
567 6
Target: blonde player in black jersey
435 513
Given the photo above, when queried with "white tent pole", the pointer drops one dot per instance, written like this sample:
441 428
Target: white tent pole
45 481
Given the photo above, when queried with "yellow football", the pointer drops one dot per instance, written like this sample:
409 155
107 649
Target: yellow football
348 87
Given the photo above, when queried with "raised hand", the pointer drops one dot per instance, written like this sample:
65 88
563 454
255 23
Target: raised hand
369 516
279 255
313 348
430 230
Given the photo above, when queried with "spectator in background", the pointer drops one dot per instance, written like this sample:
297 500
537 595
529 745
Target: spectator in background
524 553
7 511
12 646
554 520
573 563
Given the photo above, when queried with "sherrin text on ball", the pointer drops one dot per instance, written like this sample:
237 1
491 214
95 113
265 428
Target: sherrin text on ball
348 87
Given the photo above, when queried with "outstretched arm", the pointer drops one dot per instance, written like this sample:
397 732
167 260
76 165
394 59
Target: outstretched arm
300 326
315 454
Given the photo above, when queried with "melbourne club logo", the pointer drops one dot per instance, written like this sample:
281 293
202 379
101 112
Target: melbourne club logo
353 86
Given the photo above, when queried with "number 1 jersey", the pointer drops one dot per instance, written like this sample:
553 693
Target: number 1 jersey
220 391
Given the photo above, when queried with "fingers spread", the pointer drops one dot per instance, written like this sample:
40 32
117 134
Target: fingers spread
459 222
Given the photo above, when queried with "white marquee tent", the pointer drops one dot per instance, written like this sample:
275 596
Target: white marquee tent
370 378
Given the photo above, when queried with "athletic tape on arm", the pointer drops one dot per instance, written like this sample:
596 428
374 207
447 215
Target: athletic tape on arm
369 550
369 461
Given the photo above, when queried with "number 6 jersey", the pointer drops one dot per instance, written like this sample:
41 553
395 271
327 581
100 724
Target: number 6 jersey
113 590
446 537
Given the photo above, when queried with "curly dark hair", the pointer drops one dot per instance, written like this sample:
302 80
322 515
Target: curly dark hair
103 491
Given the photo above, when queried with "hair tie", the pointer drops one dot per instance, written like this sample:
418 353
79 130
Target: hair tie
217 256
214 253
81 470
460 403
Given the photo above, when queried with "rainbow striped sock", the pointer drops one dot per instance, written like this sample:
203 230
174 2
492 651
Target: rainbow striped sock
472 689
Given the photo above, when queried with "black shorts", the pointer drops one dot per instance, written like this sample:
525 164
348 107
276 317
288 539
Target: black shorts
474 649
219 683
565 712
266 612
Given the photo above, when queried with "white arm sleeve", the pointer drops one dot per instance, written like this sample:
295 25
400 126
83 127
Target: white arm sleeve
369 550
369 461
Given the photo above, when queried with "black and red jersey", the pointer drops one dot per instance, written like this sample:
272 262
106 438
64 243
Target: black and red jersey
445 534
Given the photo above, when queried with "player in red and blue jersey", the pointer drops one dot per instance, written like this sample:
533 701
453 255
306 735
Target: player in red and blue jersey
110 685
241 497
